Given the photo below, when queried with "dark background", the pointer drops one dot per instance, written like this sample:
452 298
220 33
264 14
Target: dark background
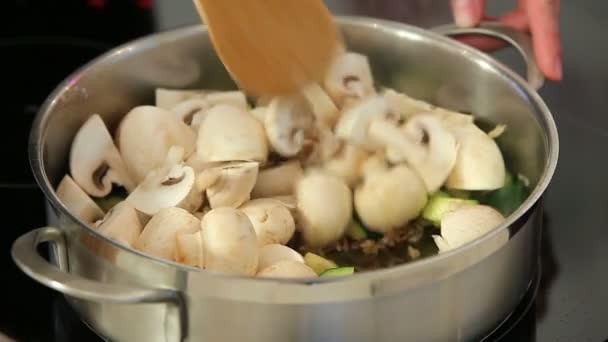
42 41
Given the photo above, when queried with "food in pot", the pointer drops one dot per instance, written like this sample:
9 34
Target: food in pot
340 178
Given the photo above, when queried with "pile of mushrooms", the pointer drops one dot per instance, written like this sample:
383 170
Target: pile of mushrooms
218 183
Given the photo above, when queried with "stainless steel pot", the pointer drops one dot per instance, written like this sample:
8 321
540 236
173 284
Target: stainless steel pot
461 295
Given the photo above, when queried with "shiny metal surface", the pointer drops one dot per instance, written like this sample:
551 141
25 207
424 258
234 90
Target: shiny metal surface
458 295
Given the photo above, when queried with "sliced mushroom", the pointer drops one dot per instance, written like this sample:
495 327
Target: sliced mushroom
229 185
355 122
95 163
171 185
189 249
479 162
278 180
169 98
77 201
272 221
324 208
468 223
321 146
121 224
271 254
287 269
159 236
406 107
349 79
259 113
323 107
389 198
431 150
145 135
287 121
229 242
188 110
229 133
347 164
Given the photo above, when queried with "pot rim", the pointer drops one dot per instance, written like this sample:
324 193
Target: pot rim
547 122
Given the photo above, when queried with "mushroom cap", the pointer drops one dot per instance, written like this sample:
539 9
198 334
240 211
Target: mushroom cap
324 208
287 120
230 133
229 185
192 111
468 223
169 98
321 146
479 162
77 201
186 110
171 185
271 220
229 242
146 134
347 164
95 162
271 254
278 180
433 152
405 106
390 199
355 122
159 235
189 249
349 78
121 224
287 269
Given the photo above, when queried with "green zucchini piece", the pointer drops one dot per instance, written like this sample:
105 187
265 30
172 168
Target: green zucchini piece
356 231
318 263
508 198
338 272
438 206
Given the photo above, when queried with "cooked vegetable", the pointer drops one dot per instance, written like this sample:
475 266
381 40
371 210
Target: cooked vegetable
338 272
318 263
287 269
271 254
438 206
356 231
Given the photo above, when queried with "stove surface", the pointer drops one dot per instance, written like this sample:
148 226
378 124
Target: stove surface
572 300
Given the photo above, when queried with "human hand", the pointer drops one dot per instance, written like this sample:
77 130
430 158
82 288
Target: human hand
538 17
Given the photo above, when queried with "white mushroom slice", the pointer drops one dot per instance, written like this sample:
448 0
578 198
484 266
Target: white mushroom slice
479 163
347 164
169 98
95 163
497 131
172 185
287 120
229 185
432 153
287 269
289 201
230 133
271 254
121 224
229 242
272 221
278 180
189 249
355 122
324 208
323 107
187 110
468 223
259 113
159 235
145 135
77 201
349 78
197 120
406 107
322 146
389 198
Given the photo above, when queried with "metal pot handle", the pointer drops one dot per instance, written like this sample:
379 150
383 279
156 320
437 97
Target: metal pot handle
519 40
26 257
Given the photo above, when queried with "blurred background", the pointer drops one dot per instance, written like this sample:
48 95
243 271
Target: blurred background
41 42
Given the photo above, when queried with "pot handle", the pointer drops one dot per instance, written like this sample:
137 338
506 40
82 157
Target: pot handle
25 255
519 40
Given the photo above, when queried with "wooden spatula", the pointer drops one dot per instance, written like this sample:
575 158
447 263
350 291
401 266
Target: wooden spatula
271 47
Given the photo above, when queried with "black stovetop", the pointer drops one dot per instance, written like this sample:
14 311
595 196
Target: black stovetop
572 300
